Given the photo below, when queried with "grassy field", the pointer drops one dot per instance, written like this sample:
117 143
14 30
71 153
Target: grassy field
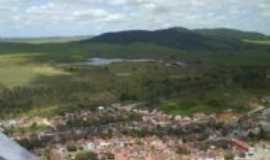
254 54
34 81
213 101
34 88
44 40
20 70
261 42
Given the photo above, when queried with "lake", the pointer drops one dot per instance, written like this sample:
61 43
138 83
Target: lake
108 61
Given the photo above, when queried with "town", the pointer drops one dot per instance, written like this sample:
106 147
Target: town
132 133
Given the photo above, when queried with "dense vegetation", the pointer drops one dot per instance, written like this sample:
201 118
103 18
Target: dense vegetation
178 90
218 41
36 79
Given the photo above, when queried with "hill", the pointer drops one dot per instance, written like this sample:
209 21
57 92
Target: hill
229 33
219 40
216 45
183 39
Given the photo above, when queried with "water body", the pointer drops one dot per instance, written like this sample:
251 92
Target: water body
10 150
107 61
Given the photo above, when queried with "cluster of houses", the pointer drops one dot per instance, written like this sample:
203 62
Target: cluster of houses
131 133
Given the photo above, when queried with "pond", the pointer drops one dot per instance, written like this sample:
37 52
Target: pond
108 61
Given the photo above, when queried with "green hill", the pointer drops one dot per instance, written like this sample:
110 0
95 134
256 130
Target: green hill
183 39
229 33
213 45
203 41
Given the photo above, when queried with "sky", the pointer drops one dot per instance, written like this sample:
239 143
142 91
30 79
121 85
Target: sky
37 18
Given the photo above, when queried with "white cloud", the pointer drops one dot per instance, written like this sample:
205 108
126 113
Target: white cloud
96 15
265 7
92 16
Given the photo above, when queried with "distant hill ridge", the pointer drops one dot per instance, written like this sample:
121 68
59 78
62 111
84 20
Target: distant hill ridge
230 33
144 43
181 38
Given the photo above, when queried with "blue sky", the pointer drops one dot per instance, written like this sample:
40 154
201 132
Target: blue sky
26 18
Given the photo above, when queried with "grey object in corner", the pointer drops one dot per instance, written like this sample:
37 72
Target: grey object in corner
10 150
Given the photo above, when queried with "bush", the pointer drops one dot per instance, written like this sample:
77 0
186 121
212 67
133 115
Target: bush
228 156
86 155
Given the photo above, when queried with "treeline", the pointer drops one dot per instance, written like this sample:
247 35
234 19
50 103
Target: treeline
87 89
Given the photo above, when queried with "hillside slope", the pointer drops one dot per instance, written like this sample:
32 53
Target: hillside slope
201 40
180 42
229 33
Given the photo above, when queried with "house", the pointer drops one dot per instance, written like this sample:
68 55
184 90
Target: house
10 150
240 145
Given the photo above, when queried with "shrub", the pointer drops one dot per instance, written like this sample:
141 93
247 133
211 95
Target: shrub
86 155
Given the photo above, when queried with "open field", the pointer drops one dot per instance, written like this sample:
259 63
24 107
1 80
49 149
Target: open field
261 42
33 86
44 40
77 52
18 70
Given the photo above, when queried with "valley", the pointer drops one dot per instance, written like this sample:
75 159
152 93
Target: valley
159 100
